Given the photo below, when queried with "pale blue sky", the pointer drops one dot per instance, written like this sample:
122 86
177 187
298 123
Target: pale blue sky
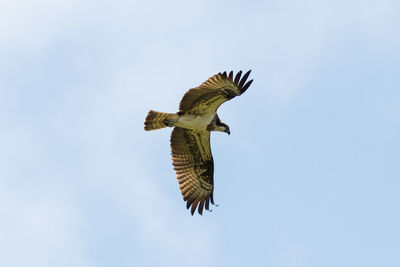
309 176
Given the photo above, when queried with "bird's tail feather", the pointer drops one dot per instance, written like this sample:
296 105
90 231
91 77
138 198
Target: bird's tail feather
157 120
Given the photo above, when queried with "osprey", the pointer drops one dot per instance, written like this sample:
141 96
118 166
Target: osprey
190 139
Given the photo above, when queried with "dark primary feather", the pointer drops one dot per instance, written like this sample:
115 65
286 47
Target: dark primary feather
243 80
231 75
237 77
247 85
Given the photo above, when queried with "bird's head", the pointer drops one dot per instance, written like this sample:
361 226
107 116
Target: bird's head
222 127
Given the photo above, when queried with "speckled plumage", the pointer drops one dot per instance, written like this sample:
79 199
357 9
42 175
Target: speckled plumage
190 139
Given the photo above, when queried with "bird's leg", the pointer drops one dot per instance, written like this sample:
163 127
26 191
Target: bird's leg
216 205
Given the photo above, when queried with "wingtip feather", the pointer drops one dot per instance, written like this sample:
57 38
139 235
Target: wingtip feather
231 75
244 78
201 206
194 206
246 86
237 77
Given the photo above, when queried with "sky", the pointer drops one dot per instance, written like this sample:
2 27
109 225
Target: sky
308 177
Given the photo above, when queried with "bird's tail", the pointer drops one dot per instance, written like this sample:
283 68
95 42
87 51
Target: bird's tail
157 120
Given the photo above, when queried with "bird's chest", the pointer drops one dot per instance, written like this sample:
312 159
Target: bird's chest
195 122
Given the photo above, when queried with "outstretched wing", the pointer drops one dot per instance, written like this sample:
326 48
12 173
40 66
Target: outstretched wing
194 166
212 93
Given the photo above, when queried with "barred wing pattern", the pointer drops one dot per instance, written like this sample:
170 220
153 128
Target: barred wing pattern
212 93
194 166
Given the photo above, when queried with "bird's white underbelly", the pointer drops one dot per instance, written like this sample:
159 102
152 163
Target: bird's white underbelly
195 122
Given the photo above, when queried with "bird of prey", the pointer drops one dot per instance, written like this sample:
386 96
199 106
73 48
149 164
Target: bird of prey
190 138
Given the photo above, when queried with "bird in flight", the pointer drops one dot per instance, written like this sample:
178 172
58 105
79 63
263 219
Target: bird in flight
190 138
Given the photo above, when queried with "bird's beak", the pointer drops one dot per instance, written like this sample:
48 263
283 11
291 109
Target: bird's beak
227 131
